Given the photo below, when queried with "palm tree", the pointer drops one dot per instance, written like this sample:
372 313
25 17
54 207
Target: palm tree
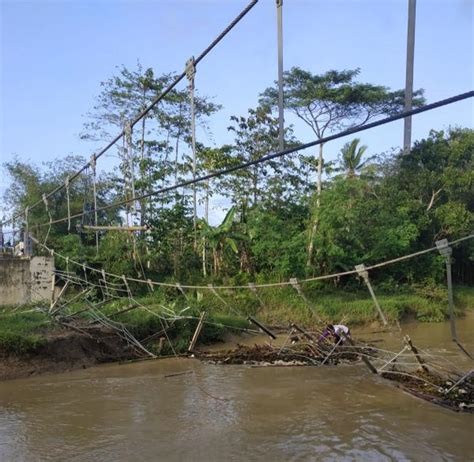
351 157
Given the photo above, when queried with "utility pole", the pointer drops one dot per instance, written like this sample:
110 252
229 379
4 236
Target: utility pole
281 128
190 73
409 74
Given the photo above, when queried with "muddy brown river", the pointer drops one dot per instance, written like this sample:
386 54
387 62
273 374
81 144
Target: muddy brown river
143 412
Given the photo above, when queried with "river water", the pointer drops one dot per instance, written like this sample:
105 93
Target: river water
143 412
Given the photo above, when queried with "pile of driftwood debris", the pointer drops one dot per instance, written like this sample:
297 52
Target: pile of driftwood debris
298 354
451 391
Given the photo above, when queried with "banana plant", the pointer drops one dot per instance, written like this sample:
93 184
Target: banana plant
222 240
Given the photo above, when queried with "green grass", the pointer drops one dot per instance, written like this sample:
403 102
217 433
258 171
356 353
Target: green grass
464 297
283 306
22 331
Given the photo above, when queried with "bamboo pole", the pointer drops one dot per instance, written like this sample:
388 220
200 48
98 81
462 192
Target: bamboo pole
461 380
286 340
295 284
53 285
365 276
414 350
113 228
197 332
369 365
302 331
393 359
445 250
262 327
255 292
332 351
58 297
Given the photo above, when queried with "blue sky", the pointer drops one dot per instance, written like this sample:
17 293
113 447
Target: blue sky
54 54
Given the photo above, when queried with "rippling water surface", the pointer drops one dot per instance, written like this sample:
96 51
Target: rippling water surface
135 413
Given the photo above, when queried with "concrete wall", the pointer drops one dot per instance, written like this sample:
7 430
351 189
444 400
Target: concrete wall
15 281
41 271
25 280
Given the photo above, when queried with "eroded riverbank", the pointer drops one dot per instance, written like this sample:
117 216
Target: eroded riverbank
182 409
66 350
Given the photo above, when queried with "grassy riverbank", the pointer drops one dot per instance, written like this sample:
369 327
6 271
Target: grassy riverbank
26 332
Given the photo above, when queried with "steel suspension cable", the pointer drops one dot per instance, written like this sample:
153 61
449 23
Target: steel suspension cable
271 156
145 111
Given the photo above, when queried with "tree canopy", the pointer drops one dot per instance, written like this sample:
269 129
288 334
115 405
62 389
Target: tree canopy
370 209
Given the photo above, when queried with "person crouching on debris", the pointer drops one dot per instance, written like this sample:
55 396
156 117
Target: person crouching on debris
339 332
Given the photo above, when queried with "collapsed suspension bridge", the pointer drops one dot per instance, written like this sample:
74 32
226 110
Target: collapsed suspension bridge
104 287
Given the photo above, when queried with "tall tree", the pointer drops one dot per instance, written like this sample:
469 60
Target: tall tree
334 101
256 135
28 184
159 134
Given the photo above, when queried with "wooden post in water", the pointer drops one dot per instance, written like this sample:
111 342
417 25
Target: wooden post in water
369 365
197 332
445 250
414 350
302 331
262 327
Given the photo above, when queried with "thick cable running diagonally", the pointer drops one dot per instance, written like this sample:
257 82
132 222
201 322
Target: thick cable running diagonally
142 114
350 131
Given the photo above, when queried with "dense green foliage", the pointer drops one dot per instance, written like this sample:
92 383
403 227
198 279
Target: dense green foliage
280 222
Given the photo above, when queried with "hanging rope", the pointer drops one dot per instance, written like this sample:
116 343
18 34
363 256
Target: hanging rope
128 135
93 164
45 201
27 233
66 185
84 271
